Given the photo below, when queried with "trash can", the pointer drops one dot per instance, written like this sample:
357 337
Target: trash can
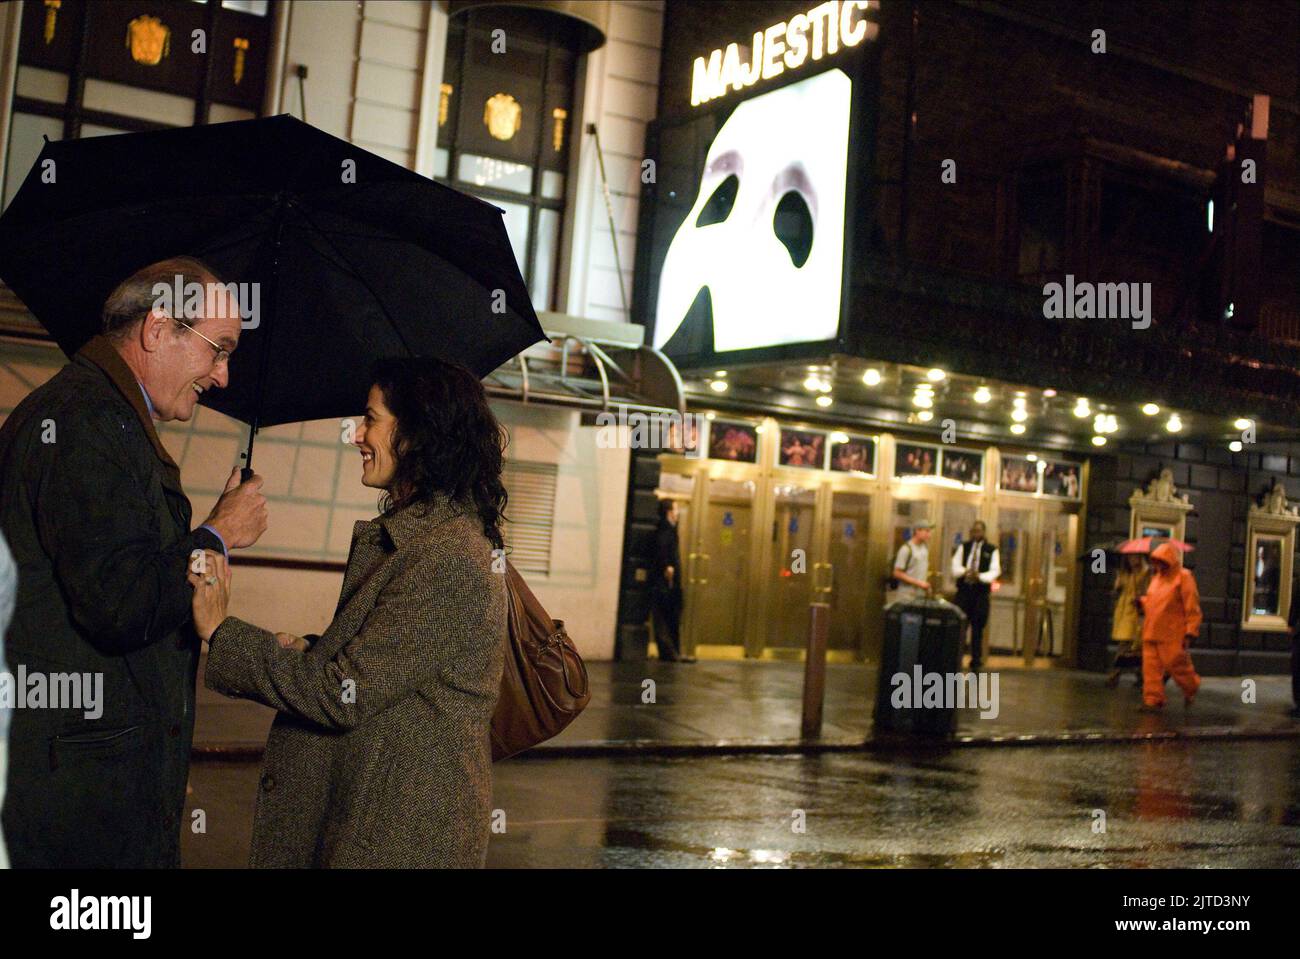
921 638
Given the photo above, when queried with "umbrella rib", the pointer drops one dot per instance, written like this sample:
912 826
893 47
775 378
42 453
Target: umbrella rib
360 279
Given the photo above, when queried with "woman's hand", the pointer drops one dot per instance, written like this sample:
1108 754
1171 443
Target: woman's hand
211 592
290 641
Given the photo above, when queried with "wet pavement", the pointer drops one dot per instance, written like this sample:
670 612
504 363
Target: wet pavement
747 704
1162 804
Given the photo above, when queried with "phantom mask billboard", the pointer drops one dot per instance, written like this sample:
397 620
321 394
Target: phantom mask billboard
758 260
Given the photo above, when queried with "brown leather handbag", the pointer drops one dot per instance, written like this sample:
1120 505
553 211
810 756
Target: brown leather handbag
544 685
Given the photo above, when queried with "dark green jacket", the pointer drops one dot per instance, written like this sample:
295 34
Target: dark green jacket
99 526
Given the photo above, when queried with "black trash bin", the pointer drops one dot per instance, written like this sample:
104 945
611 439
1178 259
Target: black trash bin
926 633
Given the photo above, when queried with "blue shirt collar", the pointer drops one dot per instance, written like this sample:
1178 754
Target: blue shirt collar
147 402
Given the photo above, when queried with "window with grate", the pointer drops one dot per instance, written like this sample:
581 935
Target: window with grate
530 515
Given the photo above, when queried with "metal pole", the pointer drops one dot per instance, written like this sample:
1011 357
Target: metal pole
609 211
814 669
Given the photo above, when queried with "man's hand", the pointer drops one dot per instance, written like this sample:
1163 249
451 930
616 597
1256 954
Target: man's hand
240 515
211 582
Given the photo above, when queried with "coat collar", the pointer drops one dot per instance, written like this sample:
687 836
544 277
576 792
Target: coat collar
101 353
406 524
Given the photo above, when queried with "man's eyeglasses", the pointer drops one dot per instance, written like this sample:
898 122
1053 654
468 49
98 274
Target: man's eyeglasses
222 353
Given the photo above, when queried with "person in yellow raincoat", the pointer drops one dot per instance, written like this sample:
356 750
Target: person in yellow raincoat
1172 607
1126 624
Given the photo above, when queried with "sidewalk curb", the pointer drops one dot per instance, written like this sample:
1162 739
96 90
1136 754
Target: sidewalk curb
889 744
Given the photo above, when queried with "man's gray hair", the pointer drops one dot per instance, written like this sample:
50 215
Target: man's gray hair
133 298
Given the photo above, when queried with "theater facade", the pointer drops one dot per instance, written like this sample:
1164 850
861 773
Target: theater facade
880 317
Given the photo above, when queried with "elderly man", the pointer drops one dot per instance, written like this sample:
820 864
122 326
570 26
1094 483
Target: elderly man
93 509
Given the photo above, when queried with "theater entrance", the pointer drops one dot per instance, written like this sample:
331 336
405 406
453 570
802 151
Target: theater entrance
762 541
761 544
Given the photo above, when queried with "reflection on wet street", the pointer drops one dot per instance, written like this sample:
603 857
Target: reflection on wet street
1228 804
1218 804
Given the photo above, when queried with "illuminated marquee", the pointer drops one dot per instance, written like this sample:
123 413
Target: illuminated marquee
820 32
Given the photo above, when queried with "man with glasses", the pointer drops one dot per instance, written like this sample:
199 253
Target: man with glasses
92 506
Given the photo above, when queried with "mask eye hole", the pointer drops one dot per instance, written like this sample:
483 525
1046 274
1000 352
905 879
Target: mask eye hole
793 225
718 207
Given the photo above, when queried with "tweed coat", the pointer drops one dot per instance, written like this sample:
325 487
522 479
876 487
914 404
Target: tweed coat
380 755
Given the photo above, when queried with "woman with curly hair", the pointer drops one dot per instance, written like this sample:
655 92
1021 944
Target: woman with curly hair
380 753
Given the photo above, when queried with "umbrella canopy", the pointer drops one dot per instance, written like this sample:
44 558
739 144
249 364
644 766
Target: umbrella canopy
354 257
1146 544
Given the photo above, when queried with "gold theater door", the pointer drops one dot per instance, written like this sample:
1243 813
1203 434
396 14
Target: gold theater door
818 553
716 504
1034 609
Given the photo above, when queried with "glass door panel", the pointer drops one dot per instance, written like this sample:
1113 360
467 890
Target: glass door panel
791 574
849 568
716 585
1007 604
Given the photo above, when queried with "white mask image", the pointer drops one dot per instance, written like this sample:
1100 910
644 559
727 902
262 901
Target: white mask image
786 149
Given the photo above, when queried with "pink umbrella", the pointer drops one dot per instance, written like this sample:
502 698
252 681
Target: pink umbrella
1145 544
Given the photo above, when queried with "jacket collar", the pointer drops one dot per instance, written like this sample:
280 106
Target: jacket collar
406 524
101 353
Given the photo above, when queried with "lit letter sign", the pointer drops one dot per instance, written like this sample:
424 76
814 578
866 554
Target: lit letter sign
782 46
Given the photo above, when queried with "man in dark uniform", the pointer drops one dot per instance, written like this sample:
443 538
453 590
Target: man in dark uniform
666 585
975 566
92 506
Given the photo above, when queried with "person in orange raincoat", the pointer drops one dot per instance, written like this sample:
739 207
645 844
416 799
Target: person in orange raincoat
1172 607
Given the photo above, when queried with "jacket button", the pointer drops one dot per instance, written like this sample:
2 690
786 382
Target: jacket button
268 783
175 730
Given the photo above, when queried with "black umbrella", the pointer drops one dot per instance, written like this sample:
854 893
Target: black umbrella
355 257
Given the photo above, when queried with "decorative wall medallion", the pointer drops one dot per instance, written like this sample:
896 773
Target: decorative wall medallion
148 39
503 116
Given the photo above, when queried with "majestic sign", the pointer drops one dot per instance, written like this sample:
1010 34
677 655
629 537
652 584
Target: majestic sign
820 32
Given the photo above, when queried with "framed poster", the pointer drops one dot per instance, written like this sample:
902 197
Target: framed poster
1157 530
911 459
1018 475
802 448
1270 555
857 454
1061 478
733 441
963 466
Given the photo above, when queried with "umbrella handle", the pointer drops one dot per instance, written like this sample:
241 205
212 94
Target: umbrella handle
245 474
